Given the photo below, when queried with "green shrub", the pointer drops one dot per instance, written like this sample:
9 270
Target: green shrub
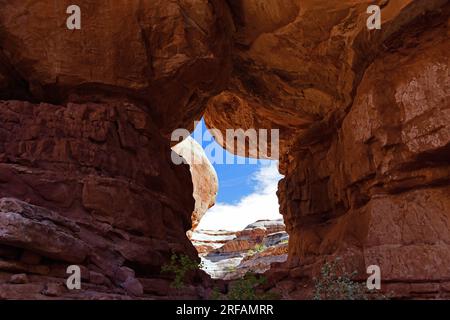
334 283
257 249
180 266
260 247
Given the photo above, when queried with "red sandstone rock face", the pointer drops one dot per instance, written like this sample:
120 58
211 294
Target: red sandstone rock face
364 119
298 63
167 55
364 132
103 169
100 191
377 191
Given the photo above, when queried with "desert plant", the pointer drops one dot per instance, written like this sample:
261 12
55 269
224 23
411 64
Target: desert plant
334 283
180 266
260 247
257 249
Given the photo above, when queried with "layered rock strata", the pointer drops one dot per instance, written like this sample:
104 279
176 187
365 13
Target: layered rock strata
230 255
86 175
81 184
377 191
364 122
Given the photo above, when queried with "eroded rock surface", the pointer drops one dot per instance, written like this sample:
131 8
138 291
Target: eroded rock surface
91 185
85 159
85 164
167 55
297 64
365 146
204 177
230 255
377 191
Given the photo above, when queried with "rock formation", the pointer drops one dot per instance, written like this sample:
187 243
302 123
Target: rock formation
377 191
230 255
80 184
204 177
296 71
169 57
365 134
86 175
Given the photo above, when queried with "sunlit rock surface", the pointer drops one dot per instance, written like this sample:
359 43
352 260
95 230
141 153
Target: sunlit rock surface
204 177
231 255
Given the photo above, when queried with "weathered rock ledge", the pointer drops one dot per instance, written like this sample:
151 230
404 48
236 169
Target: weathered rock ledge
230 255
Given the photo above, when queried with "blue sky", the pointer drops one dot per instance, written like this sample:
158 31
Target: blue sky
247 192
235 180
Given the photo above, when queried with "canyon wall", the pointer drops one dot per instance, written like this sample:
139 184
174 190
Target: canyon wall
80 184
377 191
86 176
365 135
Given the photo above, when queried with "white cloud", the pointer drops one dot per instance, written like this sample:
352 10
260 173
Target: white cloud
261 204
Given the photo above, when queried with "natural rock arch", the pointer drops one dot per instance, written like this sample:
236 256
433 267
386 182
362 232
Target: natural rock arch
86 115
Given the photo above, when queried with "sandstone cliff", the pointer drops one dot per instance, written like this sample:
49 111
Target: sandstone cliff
86 175
365 135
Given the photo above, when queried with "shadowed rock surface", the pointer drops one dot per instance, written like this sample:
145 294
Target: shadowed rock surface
94 193
83 138
365 135
168 56
86 175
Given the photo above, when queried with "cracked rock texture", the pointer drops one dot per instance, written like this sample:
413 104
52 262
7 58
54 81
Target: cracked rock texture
376 190
86 175
297 64
365 135
167 55
82 185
